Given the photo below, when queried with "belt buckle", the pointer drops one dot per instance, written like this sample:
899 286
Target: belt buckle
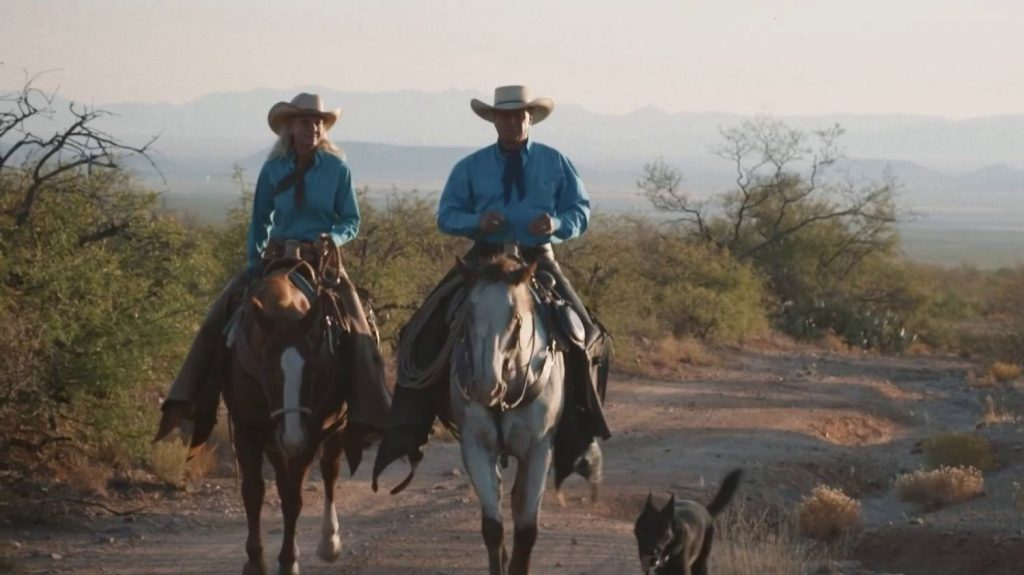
292 249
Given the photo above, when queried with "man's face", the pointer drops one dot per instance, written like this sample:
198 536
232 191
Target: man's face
513 127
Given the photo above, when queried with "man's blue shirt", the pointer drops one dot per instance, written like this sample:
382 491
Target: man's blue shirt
552 186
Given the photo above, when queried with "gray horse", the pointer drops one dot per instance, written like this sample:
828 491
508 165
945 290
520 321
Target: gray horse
506 398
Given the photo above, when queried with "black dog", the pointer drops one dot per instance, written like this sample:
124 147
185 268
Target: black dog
677 540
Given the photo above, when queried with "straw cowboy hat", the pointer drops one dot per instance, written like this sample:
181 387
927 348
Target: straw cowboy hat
282 112
514 98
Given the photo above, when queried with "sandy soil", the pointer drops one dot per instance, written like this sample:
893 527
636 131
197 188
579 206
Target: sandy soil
791 418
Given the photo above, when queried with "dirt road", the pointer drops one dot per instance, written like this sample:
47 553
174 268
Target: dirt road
792 419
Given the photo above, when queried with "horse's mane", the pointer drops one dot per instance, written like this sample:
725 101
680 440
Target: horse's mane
511 271
503 268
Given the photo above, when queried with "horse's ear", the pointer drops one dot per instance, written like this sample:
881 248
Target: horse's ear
468 273
524 274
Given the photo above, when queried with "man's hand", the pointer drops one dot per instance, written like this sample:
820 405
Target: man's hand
491 221
542 225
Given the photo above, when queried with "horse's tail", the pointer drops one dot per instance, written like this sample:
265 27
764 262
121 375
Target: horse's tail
725 492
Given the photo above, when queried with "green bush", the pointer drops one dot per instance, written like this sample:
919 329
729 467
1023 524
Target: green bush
644 282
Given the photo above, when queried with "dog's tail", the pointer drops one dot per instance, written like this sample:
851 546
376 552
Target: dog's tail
725 492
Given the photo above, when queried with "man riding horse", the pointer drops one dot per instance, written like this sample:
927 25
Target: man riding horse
514 192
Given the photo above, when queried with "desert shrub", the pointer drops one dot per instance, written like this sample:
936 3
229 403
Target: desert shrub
671 351
827 514
958 449
87 475
399 255
942 486
644 282
167 461
1003 371
996 412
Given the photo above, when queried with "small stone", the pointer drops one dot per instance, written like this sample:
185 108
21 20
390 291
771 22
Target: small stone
917 521
455 472
56 556
16 544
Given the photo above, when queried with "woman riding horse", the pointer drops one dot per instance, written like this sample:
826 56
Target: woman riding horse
304 190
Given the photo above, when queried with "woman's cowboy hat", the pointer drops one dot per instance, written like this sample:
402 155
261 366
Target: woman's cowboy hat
514 98
282 112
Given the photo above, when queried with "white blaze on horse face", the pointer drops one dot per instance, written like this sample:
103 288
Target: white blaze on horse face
493 304
291 367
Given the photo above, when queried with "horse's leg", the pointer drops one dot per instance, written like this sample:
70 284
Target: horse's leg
249 451
527 493
290 474
329 547
481 463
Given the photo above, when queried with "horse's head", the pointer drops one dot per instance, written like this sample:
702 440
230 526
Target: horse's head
282 339
499 328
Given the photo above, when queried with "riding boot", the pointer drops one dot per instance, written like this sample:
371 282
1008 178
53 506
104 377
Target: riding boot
195 373
369 399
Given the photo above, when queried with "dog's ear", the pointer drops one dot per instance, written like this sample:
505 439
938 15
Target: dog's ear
670 508
650 502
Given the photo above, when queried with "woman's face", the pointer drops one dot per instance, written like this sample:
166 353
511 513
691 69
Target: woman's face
307 129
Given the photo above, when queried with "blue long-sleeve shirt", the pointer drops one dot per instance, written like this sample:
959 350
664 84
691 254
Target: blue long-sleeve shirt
552 185
328 204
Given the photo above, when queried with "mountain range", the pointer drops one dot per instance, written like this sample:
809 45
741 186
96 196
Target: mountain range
973 168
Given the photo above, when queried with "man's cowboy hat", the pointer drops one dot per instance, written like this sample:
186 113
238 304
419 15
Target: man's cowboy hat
282 112
514 98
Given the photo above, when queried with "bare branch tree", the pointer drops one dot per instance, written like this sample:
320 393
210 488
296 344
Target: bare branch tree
78 145
660 184
779 190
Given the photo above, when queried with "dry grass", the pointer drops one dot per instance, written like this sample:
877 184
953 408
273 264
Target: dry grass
828 514
996 413
670 352
1003 372
942 486
203 463
957 449
747 544
87 476
167 461
983 381
1018 496
835 344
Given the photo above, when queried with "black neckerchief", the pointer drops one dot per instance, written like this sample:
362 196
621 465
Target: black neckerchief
513 175
296 178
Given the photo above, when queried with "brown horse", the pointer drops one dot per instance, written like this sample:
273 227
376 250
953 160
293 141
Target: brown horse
285 401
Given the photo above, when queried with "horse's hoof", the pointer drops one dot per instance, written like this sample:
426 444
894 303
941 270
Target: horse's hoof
329 548
293 570
255 568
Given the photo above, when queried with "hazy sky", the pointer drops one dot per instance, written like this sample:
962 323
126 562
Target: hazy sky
943 57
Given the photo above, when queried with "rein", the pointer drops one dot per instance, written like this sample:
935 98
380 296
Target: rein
523 368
